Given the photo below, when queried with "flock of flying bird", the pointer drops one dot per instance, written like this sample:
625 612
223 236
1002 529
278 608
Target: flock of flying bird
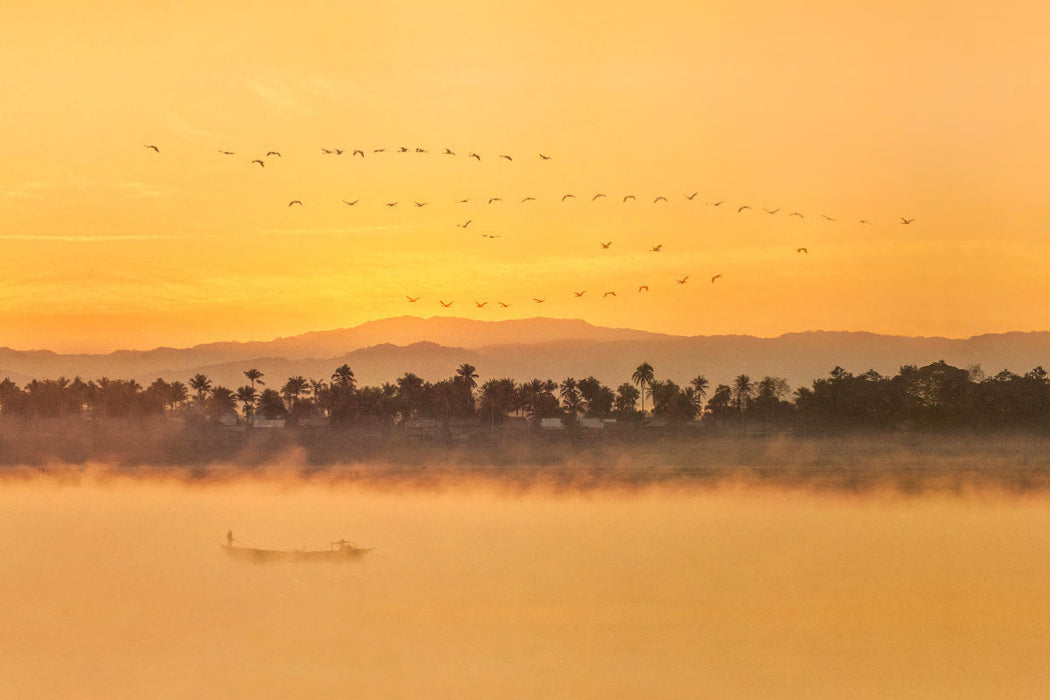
493 200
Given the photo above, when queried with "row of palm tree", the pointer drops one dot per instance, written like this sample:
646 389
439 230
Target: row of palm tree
935 396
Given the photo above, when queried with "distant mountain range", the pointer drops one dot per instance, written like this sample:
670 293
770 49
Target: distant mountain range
383 350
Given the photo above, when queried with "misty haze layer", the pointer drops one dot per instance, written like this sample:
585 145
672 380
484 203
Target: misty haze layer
117 587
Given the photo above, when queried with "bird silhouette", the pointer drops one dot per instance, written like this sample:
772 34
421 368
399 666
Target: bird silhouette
273 153
502 304
797 213
865 221
566 196
378 150
644 288
349 203
507 157
656 248
828 217
608 294
802 250
403 149
465 223
462 201
714 278
683 280
261 164
410 299
446 304
906 221
692 196
295 201
605 246
742 208
150 145
661 198
448 152
422 150
629 196
718 203
495 199
771 211
490 235
474 155
598 196
538 301
420 204
391 204
580 294
358 152
545 157
480 304
528 199
226 153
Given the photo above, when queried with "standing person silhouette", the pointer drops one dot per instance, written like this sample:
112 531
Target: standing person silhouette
229 538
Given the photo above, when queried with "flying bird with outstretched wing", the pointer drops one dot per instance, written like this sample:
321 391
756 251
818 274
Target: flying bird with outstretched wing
567 196
349 203
475 156
580 294
717 204
261 163
411 299
742 208
464 224
656 248
692 196
608 294
507 157
151 146
643 288
538 301
226 153
906 221
528 199
273 153
771 211
628 196
714 278
391 204
828 218
480 304
446 304
661 198
605 246
797 213
295 201
448 152
802 250
683 280
545 157
420 204
358 152
502 305
598 196
495 199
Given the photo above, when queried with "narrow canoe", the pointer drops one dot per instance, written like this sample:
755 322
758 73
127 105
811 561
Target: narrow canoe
341 552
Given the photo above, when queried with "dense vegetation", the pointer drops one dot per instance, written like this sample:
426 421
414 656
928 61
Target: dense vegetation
935 397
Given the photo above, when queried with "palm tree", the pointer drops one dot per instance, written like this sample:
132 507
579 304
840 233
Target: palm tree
343 377
643 377
699 385
254 375
202 385
742 391
570 396
247 396
292 389
467 373
221 401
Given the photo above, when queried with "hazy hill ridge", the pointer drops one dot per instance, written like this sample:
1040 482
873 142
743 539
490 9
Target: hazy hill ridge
383 350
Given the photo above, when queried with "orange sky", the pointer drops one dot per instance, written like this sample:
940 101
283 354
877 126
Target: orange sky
938 111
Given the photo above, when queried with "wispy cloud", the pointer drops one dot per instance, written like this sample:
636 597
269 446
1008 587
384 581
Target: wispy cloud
180 125
279 94
23 190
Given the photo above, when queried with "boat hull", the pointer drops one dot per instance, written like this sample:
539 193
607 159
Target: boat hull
344 553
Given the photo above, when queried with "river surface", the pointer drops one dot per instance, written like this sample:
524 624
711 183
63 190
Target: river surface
117 588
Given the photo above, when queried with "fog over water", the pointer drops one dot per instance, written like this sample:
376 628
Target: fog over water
116 587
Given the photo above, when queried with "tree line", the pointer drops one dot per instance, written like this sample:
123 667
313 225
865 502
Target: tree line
936 396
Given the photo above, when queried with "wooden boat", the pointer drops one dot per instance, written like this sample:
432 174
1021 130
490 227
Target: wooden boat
340 551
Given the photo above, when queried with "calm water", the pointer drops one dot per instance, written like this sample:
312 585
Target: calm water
119 589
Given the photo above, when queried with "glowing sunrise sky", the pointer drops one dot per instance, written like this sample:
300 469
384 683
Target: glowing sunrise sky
866 110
